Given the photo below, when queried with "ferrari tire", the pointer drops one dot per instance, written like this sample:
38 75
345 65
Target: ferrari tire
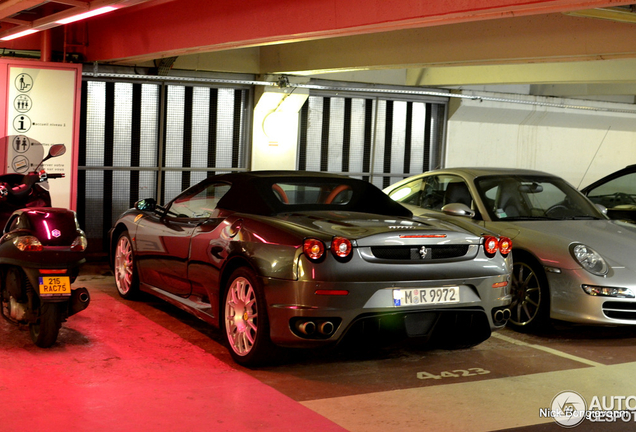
245 319
530 307
124 269
44 332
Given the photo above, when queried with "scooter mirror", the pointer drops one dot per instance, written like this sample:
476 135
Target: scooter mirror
54 151
57 150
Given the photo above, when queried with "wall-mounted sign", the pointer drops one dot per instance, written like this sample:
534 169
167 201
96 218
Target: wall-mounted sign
42 104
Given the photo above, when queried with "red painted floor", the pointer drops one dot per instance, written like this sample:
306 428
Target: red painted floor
115 370
147 366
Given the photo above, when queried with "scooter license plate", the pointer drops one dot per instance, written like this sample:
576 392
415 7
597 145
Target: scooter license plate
55 285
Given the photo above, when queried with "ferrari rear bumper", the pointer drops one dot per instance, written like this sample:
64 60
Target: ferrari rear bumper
323 313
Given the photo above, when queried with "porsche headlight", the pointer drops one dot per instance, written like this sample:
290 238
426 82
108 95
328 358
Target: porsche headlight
589 259
608 291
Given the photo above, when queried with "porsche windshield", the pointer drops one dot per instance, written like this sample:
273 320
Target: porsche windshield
515 197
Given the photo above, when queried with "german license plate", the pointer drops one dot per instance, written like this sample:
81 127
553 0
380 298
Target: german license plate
425 296
55 285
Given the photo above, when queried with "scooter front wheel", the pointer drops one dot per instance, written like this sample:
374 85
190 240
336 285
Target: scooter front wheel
44 334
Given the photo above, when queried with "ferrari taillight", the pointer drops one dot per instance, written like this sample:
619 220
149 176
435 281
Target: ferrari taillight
505 245
341 247
314 249
493 244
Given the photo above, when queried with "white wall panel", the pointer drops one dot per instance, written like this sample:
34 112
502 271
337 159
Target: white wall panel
578 145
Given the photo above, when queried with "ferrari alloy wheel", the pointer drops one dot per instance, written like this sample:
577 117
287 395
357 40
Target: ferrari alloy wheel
530 300
245 319
124 268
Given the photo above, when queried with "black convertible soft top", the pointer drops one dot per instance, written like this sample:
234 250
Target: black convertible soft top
253 193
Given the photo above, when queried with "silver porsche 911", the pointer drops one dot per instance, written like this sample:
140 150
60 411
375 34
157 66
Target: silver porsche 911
571 262
301 259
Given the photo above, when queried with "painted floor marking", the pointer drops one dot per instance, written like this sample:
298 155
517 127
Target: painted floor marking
548 350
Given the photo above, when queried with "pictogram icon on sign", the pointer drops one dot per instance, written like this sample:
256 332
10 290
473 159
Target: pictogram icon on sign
21 143
20 164
22 123
23 83
22 103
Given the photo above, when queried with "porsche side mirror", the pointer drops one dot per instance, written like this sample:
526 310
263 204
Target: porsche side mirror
601 208
457 209
148 204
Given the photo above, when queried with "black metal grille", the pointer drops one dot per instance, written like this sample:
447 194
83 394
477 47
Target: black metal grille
393 253
380 140
413 253
152 140
620 310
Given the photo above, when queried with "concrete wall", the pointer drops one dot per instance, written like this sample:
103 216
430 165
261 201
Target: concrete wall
579 140
275 127
580 145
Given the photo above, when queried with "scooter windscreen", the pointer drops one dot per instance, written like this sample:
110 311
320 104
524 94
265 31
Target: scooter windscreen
23 180
20 154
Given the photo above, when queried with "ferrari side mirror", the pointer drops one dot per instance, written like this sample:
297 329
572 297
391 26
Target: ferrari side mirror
148 204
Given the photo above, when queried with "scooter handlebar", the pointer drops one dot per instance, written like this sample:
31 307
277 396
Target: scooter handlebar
23 189
30 179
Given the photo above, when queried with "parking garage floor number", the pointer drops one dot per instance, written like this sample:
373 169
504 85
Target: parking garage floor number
453 374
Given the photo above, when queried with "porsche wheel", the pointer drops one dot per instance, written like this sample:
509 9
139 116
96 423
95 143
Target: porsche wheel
124 268
44 332
245 319
530 307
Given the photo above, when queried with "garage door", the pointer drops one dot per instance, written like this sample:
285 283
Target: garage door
141 140
381 140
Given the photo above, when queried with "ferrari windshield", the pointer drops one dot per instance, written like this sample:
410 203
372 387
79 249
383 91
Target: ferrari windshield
518 197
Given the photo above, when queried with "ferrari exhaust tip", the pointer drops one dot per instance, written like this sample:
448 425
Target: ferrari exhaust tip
500 316
326 328
307 328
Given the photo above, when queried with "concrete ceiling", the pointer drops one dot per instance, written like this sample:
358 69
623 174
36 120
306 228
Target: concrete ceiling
545 44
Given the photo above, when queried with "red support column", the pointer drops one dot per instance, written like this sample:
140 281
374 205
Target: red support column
45 46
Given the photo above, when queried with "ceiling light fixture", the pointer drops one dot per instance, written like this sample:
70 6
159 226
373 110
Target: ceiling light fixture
81 9
19 35
85 15
610 13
